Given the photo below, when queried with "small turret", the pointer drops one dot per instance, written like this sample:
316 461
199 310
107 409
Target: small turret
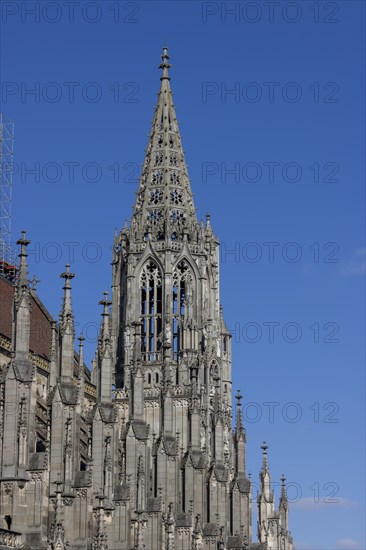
81 372
105 355
265 477
67 328
283 507
54 364
23 267
265 498
22 304
239 438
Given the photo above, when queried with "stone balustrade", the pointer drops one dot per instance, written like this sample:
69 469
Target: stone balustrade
10 539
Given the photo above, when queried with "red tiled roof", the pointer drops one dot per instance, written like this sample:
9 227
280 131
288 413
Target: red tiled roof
40 331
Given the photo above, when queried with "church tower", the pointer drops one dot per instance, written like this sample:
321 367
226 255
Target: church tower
172 353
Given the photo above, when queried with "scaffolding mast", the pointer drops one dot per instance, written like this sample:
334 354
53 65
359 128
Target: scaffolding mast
7 260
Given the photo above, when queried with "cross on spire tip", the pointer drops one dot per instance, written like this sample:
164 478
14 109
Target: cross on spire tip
165 65
67 274
105 303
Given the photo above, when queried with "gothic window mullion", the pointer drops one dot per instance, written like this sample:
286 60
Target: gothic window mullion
159 316
150 309
150 289
182 286
148 334
180 334
155 316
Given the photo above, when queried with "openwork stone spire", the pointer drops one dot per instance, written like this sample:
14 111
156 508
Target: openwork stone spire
164 206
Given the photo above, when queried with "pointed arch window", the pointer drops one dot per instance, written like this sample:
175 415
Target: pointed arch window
183 297
151 310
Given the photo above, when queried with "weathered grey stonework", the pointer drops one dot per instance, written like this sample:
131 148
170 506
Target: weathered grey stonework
142 455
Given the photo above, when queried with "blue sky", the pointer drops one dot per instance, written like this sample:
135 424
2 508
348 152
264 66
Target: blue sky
270 100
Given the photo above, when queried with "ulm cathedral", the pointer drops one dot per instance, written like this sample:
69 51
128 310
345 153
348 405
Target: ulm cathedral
141 452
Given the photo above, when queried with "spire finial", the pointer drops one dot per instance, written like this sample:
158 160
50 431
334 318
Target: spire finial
81 349
67 328
239 417
105 314
24 242
35 282
105 303
67 275
264 448
283 508
165 65
283 487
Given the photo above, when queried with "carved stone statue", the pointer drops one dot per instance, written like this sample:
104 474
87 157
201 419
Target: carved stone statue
218 347
168 333
203 436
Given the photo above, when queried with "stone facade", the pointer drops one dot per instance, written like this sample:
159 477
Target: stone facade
141 453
